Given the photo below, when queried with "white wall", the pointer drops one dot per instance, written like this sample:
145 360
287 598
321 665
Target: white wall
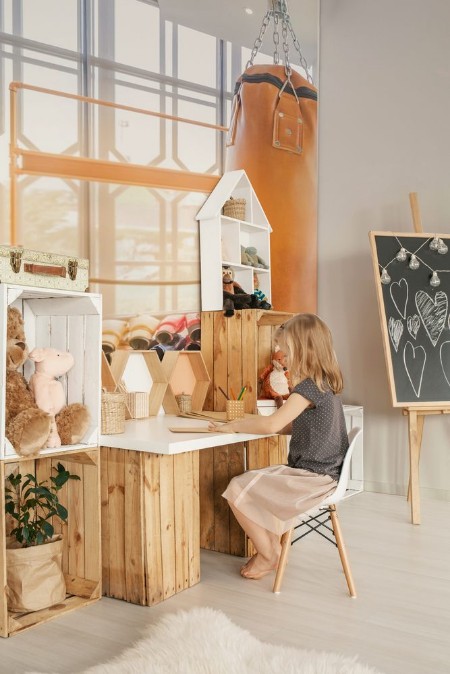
384 131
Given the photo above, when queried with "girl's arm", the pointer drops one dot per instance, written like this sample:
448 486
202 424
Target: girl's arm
265 425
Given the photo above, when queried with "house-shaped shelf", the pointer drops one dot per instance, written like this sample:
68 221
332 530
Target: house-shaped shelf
139 371
186 373
222 238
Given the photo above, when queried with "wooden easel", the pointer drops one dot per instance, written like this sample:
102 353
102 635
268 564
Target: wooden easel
416 415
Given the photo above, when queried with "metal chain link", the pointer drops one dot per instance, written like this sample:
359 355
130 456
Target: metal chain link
286 26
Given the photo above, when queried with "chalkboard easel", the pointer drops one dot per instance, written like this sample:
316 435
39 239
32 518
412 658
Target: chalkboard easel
415 322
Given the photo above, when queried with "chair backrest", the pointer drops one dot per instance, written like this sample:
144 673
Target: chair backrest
341 488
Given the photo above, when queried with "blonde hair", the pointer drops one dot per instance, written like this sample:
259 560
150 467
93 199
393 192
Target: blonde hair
309 346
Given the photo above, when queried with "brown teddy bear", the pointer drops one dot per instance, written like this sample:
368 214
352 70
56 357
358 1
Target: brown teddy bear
26 426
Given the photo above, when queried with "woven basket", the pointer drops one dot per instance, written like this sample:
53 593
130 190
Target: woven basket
138 404
184 402
235 208
113 413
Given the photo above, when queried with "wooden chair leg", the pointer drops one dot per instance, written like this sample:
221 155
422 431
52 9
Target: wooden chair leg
342 551
285 545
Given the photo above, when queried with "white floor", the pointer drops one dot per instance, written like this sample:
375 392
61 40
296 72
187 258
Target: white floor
400 622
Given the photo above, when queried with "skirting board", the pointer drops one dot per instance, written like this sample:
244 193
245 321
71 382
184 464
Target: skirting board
400 490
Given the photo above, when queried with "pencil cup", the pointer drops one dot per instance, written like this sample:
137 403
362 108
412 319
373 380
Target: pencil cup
235 409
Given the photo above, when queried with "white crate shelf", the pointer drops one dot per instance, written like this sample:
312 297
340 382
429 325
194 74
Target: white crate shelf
64 320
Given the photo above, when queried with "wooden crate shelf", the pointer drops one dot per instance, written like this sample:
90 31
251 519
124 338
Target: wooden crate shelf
81 535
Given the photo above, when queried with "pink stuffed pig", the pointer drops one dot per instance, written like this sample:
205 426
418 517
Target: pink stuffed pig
69 422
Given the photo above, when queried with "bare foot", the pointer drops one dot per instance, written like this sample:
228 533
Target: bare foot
260 567
248 563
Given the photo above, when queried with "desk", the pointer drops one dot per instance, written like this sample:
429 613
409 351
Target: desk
151 518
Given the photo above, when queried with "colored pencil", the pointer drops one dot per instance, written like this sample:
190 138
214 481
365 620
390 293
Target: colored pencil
241 394
223 392
233 394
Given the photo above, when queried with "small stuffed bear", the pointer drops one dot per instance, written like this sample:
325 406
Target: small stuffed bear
235 297
26 426
255 259
275 378
69 422
245 257
265 304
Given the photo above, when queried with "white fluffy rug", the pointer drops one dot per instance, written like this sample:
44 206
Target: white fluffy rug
205 641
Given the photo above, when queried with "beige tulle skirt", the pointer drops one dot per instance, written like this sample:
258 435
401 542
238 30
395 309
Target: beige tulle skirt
274 497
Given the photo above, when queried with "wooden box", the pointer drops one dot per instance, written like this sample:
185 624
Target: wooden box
81 535
186 372
69 321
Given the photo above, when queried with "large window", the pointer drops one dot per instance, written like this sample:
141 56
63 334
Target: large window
121 51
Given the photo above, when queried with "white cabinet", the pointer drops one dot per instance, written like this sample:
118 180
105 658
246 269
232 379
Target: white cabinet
65 320
222 238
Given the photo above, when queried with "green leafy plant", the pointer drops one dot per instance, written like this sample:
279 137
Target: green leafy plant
32 504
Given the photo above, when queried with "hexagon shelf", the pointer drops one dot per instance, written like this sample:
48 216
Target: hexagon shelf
140 371
186 373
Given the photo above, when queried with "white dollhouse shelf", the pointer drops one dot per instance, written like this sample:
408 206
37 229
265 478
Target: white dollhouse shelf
64 320
221 238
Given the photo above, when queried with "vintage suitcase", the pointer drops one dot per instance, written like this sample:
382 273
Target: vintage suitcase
20 266
273 137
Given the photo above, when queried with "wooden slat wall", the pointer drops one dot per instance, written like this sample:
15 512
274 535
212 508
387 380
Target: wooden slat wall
157 552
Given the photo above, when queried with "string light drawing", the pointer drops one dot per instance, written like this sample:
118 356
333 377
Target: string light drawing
435 244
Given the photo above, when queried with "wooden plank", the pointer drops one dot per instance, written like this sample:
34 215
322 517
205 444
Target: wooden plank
134 535
4 626
75 529
221 509
194 564
236 466
82 587
116 525
207 350
18 623
207 519
152 535
249 359
104 495
62 528
252 455
234 350
167 525
180 484
92 531
220 360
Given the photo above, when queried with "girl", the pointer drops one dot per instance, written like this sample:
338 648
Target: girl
267 502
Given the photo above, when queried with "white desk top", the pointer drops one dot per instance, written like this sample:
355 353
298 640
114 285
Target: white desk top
152 435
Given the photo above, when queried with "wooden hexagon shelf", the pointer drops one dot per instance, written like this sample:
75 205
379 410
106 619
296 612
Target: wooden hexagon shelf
186 373
157 380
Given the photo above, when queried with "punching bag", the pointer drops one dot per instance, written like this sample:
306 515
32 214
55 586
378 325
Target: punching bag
273 137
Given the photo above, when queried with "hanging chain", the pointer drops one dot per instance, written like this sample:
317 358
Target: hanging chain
280 9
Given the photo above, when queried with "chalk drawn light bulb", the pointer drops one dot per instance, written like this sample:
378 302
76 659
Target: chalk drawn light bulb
385 278
435 280
434 243
414 262
442 248
401 255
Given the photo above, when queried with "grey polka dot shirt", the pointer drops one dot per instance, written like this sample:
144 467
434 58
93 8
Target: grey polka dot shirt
319 436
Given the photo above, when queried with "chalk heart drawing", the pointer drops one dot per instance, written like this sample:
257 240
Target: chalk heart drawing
414 359
432 312
399 295
444 354
413 324
395 331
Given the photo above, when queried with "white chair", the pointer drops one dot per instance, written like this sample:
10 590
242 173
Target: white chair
318 518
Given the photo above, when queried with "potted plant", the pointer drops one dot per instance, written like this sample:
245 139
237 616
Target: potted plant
34 557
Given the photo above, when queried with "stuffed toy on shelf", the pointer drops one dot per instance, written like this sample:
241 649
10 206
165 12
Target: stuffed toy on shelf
69 423
234 296
275 382
265 304
26 426
255 259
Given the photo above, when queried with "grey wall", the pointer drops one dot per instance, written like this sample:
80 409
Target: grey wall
384 131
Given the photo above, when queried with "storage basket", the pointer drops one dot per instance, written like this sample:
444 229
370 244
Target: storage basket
235 208
184 402
138 403
113 413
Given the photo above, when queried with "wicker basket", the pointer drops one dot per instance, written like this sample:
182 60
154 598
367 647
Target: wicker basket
138 403
113 413
235 208
184 402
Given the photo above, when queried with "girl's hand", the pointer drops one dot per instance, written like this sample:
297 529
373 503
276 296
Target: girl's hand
221 428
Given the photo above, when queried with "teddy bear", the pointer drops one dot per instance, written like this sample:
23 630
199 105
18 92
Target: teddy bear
275 378
69 423
245 257
26 426
255 259
234 296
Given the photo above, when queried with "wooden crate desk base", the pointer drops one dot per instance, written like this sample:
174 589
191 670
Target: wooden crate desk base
416 418
81 535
